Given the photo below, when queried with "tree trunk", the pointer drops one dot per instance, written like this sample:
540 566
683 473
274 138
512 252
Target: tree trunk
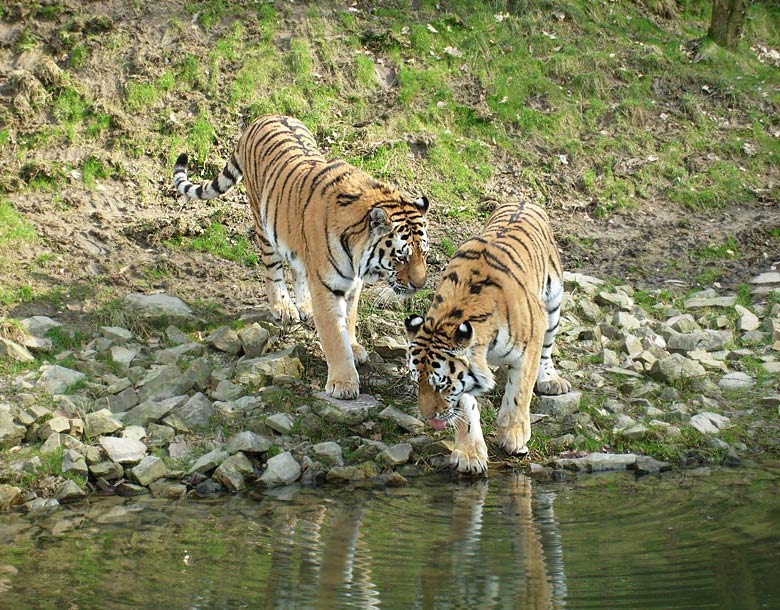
728 17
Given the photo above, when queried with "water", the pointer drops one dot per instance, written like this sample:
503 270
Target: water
683 541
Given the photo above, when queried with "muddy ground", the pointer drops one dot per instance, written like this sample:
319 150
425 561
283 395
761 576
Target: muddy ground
109 239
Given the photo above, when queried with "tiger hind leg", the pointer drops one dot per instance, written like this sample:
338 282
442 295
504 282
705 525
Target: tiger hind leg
302 294
282 306
548 381
353 296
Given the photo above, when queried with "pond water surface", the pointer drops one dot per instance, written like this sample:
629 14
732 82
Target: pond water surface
696 539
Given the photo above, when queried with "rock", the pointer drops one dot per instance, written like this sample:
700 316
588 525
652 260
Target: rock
248 442
208 462
390 347
350 412
586 283
646 464
331 451
173 355
709 423
148 470
621 301
57 379
676 367
226 391
164 382
11 434
771 367
73 461
9 496
395 454
697 303
69 491
196 412
116 334
225 339
609 357
129 490
353 473
260 371
110 471
158 435
172 490
54 425
14 352
208 488
179 449
160 307
281 469
99 423
232 472
599 462
175 336
120 403
684 323
770 277
632 346
403 420
134 432
625 321
635 432
747 319
558 406
280 422
735 382
123 450
39 326
254 339
148 411
40 504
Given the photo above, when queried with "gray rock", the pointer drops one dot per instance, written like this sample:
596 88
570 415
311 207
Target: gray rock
586 283
110 471
116 334
632 346
172 490
350 412
676 367
134 432
353 473
747 319
635 432
558 406
232 471
73 461
771 367
390 347
260 371
280 422
14 352
331 451
227 391
40 504
697 303
123 450
208 462
648 465
164 382
11 434
709 423
129 490
120 403
57 379
148 411
622 301
683 323
159 435
196 412
182 352
281 469
199 372
148 470
38 326
225 339
160 306
254 339
395 454
737 381
69 491
248 442
599 462
403 420
625 320
54 425
9 496
100 422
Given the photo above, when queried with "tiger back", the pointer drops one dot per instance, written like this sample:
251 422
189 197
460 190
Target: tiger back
333 224
498 303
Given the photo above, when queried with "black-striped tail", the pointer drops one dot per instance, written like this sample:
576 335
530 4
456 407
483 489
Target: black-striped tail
230 176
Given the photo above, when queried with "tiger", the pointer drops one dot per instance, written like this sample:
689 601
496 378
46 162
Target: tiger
335 226
498 303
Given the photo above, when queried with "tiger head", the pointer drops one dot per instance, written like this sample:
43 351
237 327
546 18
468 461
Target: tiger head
447 362
398 245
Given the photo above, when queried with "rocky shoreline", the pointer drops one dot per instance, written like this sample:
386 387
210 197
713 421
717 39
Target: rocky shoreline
660 381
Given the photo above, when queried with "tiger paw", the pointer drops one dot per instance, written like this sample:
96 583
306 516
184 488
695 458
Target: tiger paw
513 439
553 386
471 461
345 390
359 353
285 312
306 315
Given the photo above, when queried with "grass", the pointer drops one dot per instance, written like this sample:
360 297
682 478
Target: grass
215 241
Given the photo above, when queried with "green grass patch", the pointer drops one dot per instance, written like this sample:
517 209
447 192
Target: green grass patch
215 241
94 169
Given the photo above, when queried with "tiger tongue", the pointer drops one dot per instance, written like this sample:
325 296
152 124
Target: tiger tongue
437 424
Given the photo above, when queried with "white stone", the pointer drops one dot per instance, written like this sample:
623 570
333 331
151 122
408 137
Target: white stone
123 450
281 469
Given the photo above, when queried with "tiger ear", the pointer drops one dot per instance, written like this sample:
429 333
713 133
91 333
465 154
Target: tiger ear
463 333
413 324
378 222
421 204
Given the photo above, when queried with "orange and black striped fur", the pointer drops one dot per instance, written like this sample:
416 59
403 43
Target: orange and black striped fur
335 226
498 303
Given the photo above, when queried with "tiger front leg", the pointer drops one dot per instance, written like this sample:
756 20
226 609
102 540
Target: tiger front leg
513 423
330 320
470 454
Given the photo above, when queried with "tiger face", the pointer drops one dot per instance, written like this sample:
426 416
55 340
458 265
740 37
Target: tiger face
447 363
400 247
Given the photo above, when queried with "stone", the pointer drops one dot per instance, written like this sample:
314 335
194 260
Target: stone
69 491
635 432
148 470
54 425
225 339
395 455
38 326
129 490
124 401
646 464
771 367
281 469
391 347
280 422
160 307
599 462
175 336
179 353
148 411
99 423
226 391
134 432
609 357
38 344
108 470
558 406
735 382
632 346
260 371
676 367
11 434
350 412
586 283
254 339
747 319
57 379
625 321
683 323
172 490
353 473
40 504
73 461
709 423
199 372
619 300
159 435
122 356
770 277
9 496
123 450
116 334
331 451
196 412
163 382
208 462
248 442
232 471
14 352
402 420
179 449
697 303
